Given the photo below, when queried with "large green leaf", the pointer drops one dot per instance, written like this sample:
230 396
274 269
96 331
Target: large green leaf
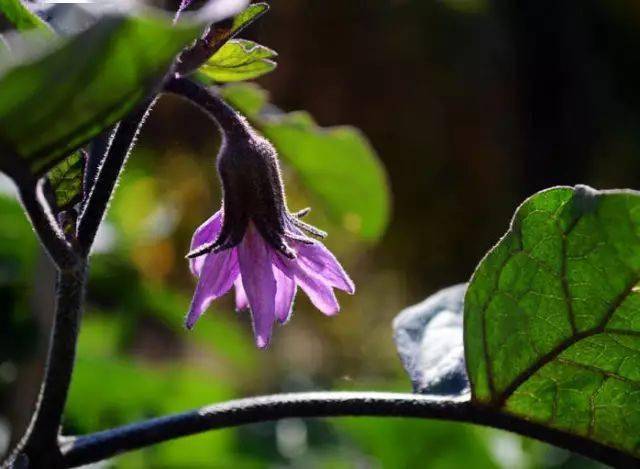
237 60
50 107
337 164
552 316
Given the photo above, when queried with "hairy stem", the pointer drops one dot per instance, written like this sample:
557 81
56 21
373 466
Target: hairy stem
39 446
108 174
224 115
97 152
35 204
102 445
44 223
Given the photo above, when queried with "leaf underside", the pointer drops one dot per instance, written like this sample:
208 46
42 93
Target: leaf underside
552 316
430 344
66 180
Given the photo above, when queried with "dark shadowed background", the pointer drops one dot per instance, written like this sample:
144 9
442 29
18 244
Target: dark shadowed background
472 105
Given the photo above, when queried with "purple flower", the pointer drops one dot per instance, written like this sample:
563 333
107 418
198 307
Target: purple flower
254 243
265 280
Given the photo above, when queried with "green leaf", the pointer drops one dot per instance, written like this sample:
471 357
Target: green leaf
66 180
237 60
20 16
50 107
552 316
337 164
248 98
223 32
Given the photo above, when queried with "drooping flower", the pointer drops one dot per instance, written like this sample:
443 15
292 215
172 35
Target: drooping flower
265 280
254 243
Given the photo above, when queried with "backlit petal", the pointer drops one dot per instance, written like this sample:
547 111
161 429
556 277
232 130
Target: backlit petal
285 292
319 292
318 259
254 255
242 302
206 233
218 274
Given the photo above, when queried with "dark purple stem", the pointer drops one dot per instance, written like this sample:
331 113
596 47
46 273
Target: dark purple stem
39 447
227 118
99 446
45 224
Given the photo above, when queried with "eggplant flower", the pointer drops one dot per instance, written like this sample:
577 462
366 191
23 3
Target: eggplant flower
254 244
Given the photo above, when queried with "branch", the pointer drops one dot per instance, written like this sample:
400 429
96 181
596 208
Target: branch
102 445
37 208
114 161
40 443
44 223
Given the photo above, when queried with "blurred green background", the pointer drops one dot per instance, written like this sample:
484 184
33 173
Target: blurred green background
472 105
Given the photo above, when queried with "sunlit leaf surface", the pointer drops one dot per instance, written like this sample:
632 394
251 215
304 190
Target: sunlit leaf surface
337 164
237 60
552 316
50 107
226 30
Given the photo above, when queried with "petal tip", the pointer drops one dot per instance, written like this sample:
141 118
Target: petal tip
262 342
331 312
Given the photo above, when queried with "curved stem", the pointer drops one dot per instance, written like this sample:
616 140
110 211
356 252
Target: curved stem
227 118
39 446
98 446
44 223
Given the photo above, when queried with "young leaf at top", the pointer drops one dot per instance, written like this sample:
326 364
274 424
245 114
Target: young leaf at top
224 32
197 55
429 340
552 316
337 164
237 60
66 180
20 16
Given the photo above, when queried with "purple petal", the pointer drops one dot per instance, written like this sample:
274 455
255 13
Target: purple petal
259 282
319 292
286 291
206 233
316 258
242 302
218 274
